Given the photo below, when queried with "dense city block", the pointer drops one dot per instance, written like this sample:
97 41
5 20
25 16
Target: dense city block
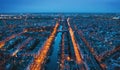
73 41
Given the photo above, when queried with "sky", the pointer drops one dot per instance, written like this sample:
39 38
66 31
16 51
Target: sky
80 6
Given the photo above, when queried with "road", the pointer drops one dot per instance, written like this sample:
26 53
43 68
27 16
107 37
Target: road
2 43
78 55
21 46
39 59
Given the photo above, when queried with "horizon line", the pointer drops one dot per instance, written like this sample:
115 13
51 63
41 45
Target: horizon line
60 12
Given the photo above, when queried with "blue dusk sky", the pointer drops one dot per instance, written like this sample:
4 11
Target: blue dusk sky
80 6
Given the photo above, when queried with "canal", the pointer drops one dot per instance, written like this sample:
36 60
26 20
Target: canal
53 58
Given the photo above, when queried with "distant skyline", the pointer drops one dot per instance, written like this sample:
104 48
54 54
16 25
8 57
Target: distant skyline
79 6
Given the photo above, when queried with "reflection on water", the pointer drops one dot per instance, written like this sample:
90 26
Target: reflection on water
52 65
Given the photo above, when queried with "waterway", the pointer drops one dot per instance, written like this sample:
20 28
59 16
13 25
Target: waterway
53 58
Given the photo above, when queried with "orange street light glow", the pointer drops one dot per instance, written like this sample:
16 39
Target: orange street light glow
38 61
75 46
2 43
